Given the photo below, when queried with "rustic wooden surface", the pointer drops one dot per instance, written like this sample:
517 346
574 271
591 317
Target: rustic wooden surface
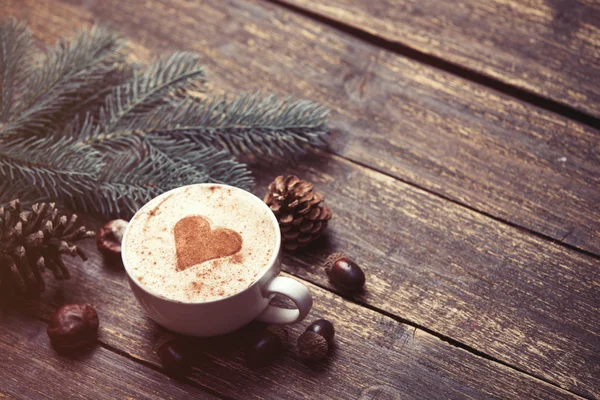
500 290
373 352
492 153
456 200
551 48
30 369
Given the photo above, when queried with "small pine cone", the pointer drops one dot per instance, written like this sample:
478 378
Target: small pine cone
302 218
34 241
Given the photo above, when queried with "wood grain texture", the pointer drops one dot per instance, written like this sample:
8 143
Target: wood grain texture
551 47
465 142
31 369
497 289
373 354
508 294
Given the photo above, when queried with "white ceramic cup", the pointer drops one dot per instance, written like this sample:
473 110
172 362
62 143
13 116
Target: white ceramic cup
210 318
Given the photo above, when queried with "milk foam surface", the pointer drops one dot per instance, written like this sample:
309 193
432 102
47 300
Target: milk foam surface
151 253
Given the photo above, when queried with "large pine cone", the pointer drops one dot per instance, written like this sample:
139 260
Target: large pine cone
302 218
32 241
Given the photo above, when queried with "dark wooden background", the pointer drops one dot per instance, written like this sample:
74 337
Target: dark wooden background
464 174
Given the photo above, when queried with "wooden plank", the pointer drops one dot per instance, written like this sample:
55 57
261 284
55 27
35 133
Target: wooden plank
550 48
31 369
373 355
508 294
465 142
497 289
492 287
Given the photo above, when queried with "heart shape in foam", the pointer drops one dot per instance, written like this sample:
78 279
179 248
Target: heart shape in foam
195 242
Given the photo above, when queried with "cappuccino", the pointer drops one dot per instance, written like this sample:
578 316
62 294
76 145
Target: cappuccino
200 243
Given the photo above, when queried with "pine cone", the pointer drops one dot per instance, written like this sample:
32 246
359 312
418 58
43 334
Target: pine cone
31 241
298 209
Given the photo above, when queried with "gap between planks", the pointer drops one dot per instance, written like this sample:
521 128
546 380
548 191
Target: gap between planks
147 364
152 366
523 95
464 73
443 338
408 323
468 207
427 59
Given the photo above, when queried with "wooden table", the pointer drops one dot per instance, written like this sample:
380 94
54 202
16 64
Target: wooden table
464 173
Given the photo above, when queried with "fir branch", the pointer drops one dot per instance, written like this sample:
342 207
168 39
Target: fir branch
57 167
67 73
254 125
210 165
16 47
145 89
90 104
128 181
146 138
123 185
17 190
132 178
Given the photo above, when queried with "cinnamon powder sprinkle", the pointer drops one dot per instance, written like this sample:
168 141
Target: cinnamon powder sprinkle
237 258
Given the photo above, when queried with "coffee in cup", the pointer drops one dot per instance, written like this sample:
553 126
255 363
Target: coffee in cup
200 243
205 259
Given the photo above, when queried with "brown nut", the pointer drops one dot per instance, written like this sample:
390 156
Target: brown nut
281 331
264 350
312 347
323 328
173 358
109 239
344 273
73 326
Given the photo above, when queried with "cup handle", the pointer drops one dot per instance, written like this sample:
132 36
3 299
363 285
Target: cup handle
293 290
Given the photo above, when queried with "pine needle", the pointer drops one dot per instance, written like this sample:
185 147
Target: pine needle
16 48
253 125
144 90
212 166
66 73
57 168
12 190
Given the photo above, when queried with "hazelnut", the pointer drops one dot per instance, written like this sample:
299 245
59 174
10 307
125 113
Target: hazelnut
73 326
173 358
344 273
312 347
281 331
264 350
109 239
323 328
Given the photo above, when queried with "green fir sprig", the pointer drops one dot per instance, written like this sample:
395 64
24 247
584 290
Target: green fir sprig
82 126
